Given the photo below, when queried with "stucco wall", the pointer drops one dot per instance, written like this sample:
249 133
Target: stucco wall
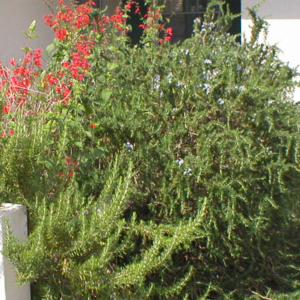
284 20
284 23
15 17
276 9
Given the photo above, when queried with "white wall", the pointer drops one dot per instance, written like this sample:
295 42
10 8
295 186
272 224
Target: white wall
283 17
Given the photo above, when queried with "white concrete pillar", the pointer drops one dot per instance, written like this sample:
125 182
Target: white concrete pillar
17 218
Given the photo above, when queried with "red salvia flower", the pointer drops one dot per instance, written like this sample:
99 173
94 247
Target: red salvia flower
169 31
6 109
61 34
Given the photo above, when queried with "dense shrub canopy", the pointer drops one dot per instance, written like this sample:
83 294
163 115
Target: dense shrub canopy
160 171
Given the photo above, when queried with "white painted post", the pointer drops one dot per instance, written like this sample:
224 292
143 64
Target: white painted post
17 218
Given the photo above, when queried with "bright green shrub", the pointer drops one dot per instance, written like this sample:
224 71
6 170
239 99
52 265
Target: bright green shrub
188 181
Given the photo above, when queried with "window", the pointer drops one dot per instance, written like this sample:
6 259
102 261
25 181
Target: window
135 19
181 13
235 8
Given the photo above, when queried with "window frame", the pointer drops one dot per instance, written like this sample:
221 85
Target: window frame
187 19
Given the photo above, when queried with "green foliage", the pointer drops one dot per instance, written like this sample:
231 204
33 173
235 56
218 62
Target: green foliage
186 188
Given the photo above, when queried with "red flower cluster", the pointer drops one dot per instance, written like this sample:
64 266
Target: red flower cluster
168 37
20 84
65 25
152 21
49 20
118 19
18 81
34 56
78 19
10 132
69 161
70 173
130 4
61 34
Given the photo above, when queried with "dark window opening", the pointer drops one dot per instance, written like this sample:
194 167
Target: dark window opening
181 13
136 19
235 8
